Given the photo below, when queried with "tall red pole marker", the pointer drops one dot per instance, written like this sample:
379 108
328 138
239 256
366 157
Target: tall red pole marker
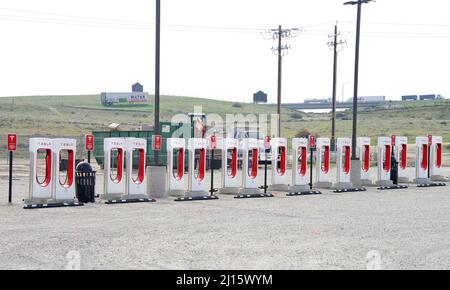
12 146
89 146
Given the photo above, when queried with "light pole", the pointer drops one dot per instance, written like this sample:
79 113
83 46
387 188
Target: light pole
157 71
355 175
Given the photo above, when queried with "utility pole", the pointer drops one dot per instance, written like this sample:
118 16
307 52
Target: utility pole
356 163
157 72
280 69
280 50
334 44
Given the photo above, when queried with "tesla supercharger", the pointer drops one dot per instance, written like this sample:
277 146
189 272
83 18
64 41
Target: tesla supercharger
343 161
364 156
64 183
422 158
197 168
299 166
114 177
323 163
279 164
136 182
401 155
230 154
436 170
176 178
250 155
41 175
384 152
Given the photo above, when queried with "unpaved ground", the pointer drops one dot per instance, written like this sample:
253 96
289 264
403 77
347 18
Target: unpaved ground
406 229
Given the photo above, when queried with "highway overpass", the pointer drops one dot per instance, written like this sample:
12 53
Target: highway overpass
339 105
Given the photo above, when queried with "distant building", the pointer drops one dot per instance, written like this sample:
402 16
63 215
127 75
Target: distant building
260 98
410 98
137 88
428 97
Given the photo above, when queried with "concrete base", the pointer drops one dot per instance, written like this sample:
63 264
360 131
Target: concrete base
422 181
246 191
229 190
111 196
384 183
355 172
341 186
36 201
196 193
279 187
366 182
325 185
299 188
439 178
156 182
403 180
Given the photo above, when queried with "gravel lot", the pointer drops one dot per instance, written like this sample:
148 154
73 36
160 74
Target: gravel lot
403 229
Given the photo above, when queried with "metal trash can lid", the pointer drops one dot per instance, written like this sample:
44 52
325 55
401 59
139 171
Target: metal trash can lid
84 167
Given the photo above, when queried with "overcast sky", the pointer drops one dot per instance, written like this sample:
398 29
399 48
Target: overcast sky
215 48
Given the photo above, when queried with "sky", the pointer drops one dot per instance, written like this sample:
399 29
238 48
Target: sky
219 49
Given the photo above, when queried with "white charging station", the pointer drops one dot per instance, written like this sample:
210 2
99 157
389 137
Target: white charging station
279 165
343 164
299 166
50 185
40 186
364 156
176 177
64 187
230 154
401 155
250 159
136 182
323 156
436 166
422 158
384 152
114 173
197 168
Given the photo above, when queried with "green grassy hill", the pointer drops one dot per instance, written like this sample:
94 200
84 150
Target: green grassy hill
77 115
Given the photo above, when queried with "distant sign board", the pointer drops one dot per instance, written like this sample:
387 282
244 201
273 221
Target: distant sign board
260 97
12 142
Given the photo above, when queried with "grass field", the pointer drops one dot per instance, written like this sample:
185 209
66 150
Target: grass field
64 116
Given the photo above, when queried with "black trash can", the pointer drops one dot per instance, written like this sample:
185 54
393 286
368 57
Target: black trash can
394 170
85 182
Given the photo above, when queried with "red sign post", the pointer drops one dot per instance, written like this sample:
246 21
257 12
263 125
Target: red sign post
157 142
12 142
312 141
393 140
89 144
213 142
267 142
430 140
12 146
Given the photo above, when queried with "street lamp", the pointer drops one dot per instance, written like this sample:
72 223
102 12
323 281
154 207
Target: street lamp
355 175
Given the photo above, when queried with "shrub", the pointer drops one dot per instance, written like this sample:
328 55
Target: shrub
296 116
237 105
303 133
